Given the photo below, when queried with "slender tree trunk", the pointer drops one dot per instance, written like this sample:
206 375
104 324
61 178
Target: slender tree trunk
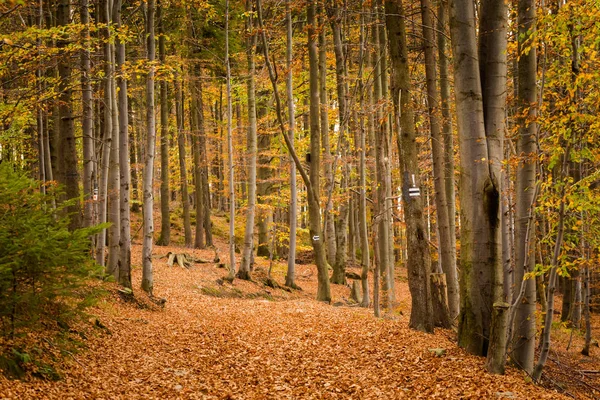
452 281
123 270
204 161
114 184
107 135
381 219
165 218
198 164
69 175
586 310
341 228
185 198
523 346
386 118
446 250
418 263
230 151
362 170
87 127
329 229
244 272
148 207
291 272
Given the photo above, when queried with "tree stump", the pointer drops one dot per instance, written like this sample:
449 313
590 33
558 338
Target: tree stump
439 295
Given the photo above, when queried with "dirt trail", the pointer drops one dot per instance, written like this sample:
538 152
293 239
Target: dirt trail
262 343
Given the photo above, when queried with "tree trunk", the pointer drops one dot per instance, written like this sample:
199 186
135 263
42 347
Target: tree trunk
148 207
381 157
204 161
114 183
341 229
291 272
124 268
69 175
480 100
264 185
496 360
87 128
198 165
251 148
452 281
362 170
386 118
418 263
165 210
107 136
525 328
230 151
185 197
446 251
329 229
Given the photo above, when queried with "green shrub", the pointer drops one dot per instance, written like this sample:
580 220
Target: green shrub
43 265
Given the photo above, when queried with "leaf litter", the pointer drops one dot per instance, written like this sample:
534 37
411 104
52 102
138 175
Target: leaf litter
215 340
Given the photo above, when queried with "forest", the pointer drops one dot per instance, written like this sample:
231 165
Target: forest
299 199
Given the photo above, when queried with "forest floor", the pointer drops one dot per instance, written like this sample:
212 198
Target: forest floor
215 340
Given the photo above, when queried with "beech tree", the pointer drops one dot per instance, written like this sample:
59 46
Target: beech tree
480 92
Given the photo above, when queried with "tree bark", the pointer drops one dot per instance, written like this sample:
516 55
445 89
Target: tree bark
418 262
381 156
341 229
69 175
230 150
87 127
148 207
446 251
525 328
480 82
124 268
251 150
362 170
329 229
165 210
442 22
185 197
291 272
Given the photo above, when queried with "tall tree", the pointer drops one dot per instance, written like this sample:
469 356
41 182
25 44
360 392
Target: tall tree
341 228
418 263
244 272
87 116
148 207
124 274
523 345
447 260
69 175
442 24
329 220
480 91
165 210
185 198
230 149
290 277
362 169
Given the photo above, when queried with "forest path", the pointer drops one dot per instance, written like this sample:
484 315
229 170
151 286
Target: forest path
263 343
